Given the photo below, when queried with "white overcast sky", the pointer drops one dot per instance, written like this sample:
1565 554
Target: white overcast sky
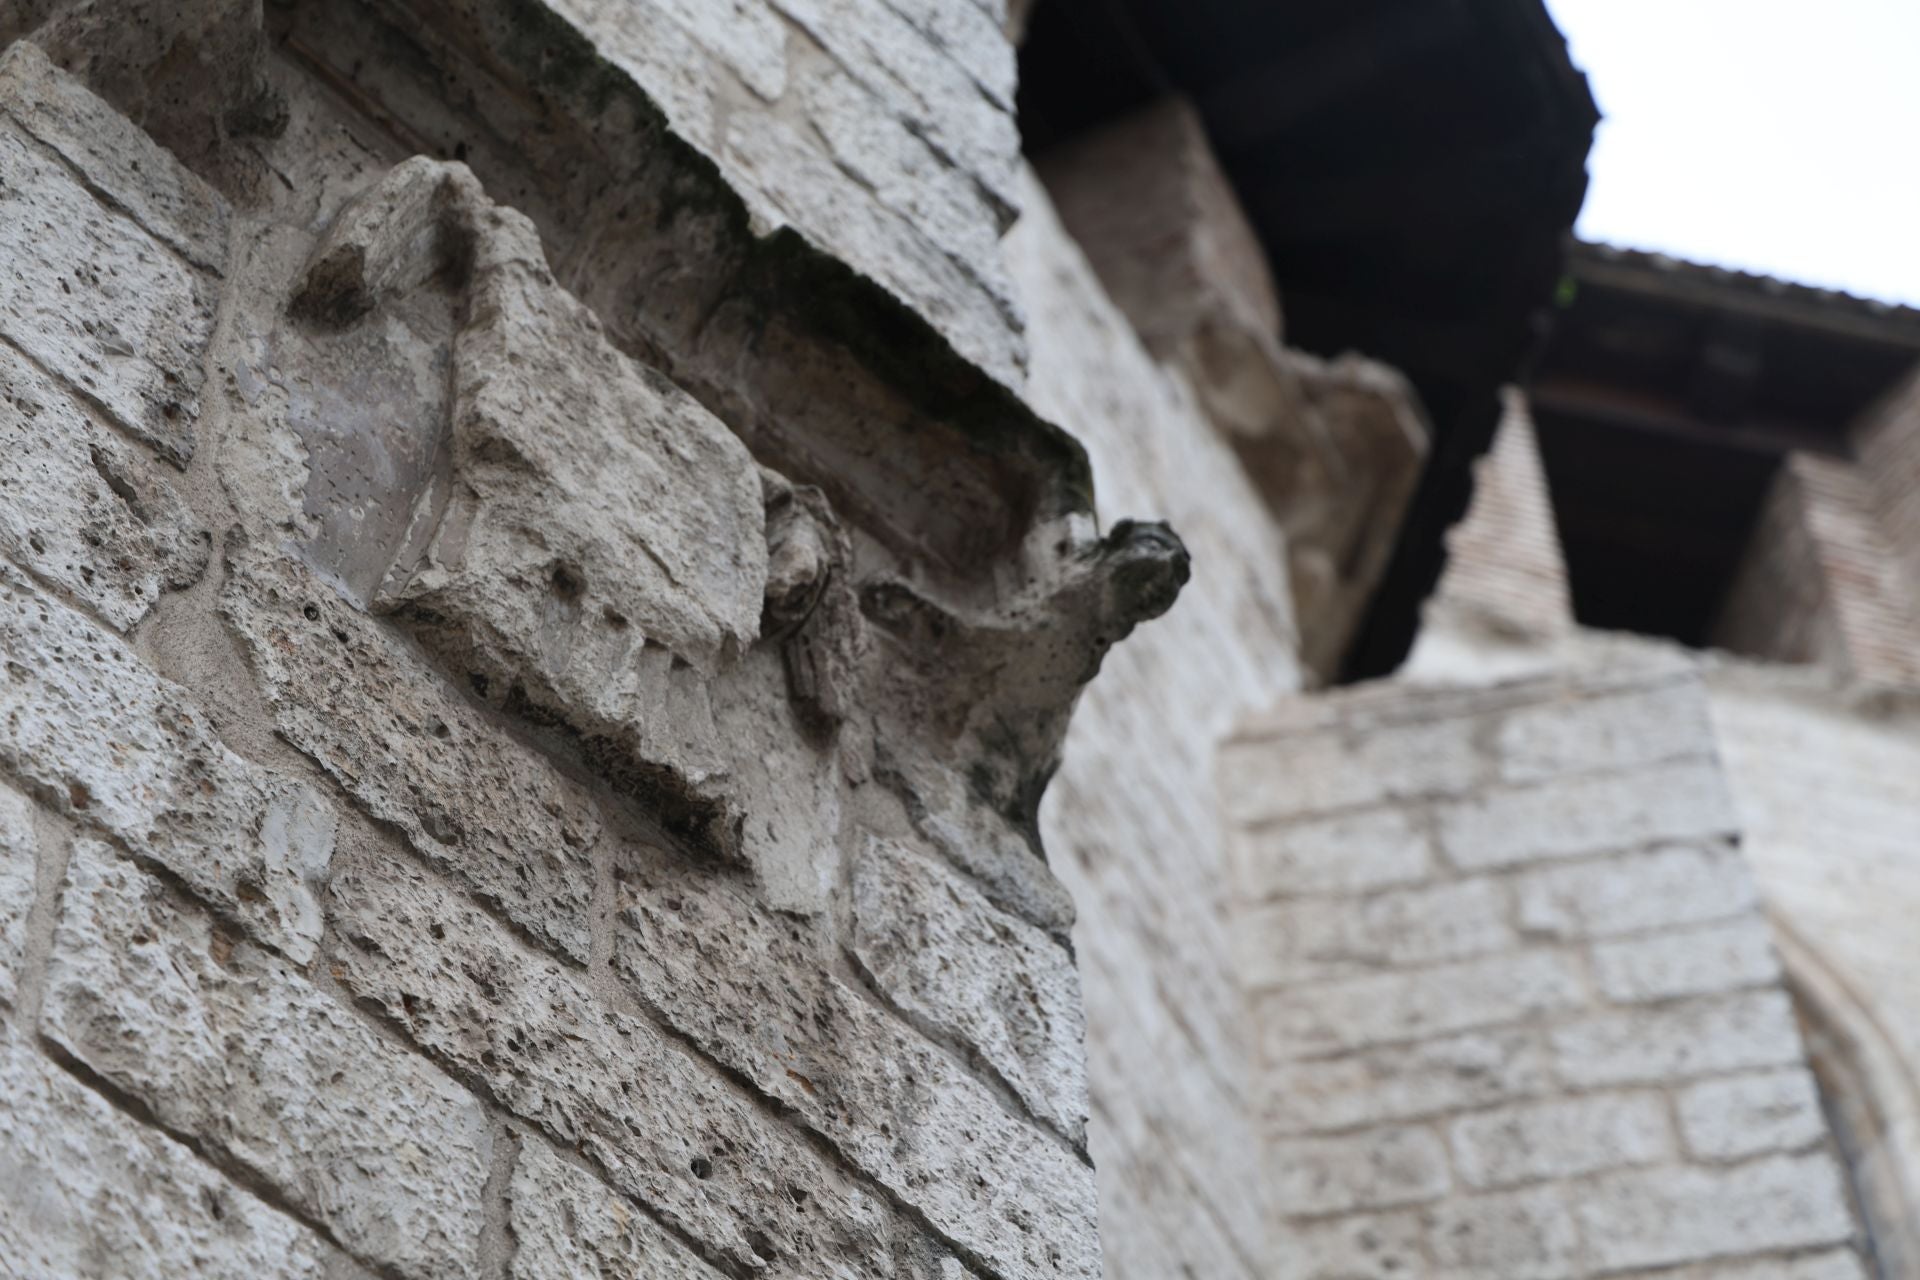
1780 136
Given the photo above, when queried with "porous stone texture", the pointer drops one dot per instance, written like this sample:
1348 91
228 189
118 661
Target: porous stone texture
567 1224
82 513
386 727
18 863
232 1048
90 294
939 952
1521 1012
748 988
89 726
92 1192
416 612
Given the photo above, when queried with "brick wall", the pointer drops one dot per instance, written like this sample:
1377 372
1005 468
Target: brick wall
1519 1012
1821 581
462 813
1887 442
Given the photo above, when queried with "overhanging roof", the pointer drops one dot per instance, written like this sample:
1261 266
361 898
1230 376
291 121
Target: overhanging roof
1411 166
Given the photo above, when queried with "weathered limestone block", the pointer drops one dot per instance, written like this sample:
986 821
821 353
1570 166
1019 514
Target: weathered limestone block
94 298
667 1129
913 79
1659 1216
377 717
1661 888
232 1046
193 73
1407 1082
18 856
78 510
1688 962
115 157
92 1192
1744 1116
754 991
1674 1041
96 734
1358 1013
1561 1139
566 1225
1667 803
601 555
1347 853
747 35
1316 939
1379 1169
959 968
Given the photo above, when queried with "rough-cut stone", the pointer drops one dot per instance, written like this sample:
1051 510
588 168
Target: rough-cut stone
965 971
1350 853
1270 778
1748 1115
1561 1139
667 1129
745 34
1587 733
1380 1169
1356 1013
661 57
1674 1041
1690 962
1684 885
566 1225
1524 1235
114 157
754 991
1311 940
92 296
1660 1216
18 856
92 731
78 510
230 1045
601 553
92 1192
469 797
1407 1082
1664 803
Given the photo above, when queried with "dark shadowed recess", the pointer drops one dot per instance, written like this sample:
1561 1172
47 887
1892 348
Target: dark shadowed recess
1664 403
1412 167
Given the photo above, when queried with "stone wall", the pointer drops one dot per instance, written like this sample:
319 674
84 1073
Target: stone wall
525 688
1519 1012
1825 775
1130 821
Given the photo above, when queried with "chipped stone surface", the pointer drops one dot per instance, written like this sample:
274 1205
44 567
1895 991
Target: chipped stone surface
667 1129
567 1224
92 730
78 510
92 1192
114 157
232 1046
954 964
92 296
755 991
18 856
376 716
